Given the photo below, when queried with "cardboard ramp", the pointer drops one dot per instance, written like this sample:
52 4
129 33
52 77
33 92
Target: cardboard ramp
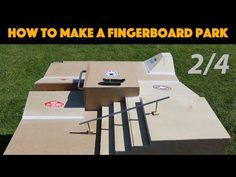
54 105
51 137
50 125
165 88
187 125
183 124
61 76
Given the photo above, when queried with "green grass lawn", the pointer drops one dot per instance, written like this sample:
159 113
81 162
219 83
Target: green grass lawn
22 65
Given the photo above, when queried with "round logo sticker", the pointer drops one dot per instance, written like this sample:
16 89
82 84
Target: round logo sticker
161 87
111 74
57 104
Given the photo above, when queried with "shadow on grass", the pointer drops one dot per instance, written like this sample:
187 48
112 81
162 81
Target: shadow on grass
4 140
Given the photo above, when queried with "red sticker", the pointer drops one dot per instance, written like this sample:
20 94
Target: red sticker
57 104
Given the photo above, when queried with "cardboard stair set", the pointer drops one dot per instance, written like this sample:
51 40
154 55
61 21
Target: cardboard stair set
111 107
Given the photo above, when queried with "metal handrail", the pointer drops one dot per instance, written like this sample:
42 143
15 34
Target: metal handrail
124 110
80 78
